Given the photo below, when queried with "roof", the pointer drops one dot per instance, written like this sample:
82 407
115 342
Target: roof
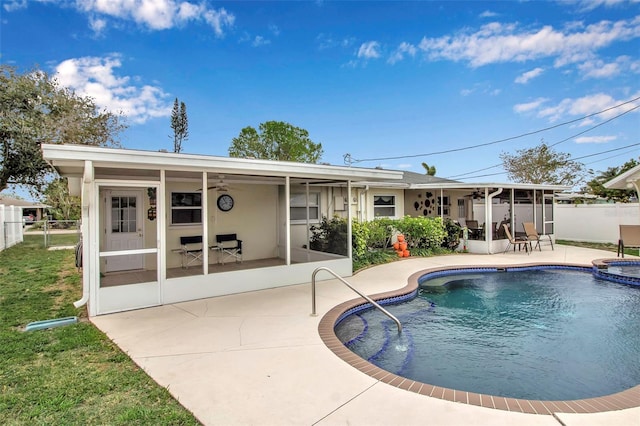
10 201
69 161
413 178
625 180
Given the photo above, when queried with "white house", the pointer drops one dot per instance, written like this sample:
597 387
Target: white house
137 206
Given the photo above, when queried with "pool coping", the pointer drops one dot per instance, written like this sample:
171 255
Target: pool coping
629 398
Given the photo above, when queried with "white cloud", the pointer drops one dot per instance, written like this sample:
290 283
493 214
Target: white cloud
597 68
158 14
525 77
402 50
12 5
488 14
595 139
97 25
95 77
369 50
529 106
260 41
499 42
573 108
328 41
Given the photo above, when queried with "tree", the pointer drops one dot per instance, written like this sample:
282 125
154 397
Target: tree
62 205
179 124
429 170
596 185
277 140
542 165
34 109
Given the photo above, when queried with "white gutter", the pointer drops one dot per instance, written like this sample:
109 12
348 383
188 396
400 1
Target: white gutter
86 196
488 214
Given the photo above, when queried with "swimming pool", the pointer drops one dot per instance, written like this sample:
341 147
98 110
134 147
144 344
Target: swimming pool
531 333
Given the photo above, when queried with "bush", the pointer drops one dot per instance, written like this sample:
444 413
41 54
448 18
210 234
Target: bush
421 232
330 236
452 237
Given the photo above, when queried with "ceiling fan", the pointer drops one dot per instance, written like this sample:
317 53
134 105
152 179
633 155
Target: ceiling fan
221 185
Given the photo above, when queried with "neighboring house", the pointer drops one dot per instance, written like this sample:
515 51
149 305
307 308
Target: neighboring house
136 206
580 198
31 211
627 180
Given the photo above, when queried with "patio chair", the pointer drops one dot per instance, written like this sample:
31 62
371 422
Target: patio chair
229 247
191 250
629 237
474 229
515 241
532 234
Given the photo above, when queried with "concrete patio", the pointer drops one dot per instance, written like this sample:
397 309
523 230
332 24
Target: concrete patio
256 358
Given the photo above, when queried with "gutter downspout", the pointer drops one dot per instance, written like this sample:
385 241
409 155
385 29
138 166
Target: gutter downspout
488 214
634 183
87 182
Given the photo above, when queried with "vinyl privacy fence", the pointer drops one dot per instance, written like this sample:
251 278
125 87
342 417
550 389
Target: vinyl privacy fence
12 226
597 223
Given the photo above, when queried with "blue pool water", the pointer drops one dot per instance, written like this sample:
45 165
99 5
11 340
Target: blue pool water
538 334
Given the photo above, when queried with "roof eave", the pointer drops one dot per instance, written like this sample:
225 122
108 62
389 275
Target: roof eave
74 156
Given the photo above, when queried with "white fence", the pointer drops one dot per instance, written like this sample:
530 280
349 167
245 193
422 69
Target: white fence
598 223
11 229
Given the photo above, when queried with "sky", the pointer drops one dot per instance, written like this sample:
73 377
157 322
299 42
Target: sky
378 84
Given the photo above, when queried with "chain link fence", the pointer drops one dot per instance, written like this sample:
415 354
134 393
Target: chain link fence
53 233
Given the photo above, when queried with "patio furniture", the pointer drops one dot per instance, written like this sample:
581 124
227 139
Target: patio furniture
229 247
532 234
475 232
629 237
190 249
515 241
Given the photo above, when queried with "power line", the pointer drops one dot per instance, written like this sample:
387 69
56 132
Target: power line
350 159
596 126
605 152
556 143
573 159
610 157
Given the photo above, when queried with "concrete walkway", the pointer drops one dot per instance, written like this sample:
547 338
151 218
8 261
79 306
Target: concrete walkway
256 358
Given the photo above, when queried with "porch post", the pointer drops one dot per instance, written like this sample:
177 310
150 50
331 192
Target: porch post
205 225
161 206
535 210
287 215
307 217
349 230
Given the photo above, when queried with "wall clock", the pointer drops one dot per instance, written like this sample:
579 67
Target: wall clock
225 202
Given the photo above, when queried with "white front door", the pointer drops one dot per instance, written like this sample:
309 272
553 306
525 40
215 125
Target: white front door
124 230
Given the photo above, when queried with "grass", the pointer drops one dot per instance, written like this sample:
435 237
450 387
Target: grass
52 239
72 375
600 246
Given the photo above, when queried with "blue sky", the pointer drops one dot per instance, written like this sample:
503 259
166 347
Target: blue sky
372 79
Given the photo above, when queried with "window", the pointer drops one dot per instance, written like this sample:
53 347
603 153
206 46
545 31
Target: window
461 210
186 208
123 215
299 207
384 206
443 206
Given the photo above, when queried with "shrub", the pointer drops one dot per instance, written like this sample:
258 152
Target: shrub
330 236
452 237
421 232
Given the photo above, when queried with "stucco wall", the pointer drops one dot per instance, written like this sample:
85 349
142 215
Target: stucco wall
252 218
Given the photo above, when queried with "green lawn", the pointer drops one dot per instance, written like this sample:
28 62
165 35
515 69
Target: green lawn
72 375
600 246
